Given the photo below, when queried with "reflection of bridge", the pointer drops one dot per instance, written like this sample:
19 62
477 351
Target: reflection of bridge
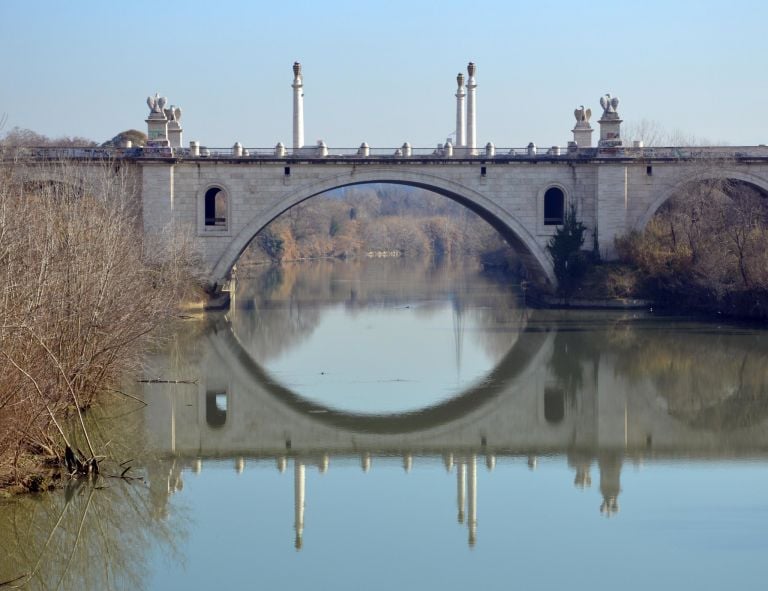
237 411
225 197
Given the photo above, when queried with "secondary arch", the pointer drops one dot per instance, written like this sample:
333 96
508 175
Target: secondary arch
699 176
536 260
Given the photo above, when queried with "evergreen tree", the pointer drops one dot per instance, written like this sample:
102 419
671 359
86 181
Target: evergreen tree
565 249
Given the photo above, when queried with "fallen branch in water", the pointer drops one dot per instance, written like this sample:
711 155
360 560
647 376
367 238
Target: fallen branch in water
76 467
136 398
159 381
10 581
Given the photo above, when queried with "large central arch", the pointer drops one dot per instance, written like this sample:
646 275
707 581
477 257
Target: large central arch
536 259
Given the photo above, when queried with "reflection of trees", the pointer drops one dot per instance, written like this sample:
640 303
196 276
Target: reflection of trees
95 535
279 307
85 538
709 378
569 351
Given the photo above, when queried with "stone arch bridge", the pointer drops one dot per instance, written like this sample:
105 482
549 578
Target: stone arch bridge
224 198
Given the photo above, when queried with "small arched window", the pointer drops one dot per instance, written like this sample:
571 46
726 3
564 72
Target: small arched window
554 207
216 208
215 408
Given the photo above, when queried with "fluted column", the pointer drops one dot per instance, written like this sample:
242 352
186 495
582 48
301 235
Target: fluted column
471 140
461 136
298 108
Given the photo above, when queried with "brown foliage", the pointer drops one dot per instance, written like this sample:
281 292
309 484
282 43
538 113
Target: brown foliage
80 291
379 217
707 247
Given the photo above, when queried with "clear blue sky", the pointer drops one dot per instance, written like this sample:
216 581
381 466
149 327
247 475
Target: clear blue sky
384 72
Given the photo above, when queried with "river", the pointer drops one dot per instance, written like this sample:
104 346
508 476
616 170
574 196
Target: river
396 424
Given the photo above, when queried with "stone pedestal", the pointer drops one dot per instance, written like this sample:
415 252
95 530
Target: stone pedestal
157 127
174 134
582 135
610 131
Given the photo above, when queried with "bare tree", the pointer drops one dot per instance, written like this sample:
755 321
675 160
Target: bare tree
79 293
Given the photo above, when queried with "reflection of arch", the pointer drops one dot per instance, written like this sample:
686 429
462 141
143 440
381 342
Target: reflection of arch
534 256
706 175
514 364
216 406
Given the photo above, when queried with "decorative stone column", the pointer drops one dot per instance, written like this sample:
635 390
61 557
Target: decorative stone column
610 123
461 138
471 139
298 108
582 133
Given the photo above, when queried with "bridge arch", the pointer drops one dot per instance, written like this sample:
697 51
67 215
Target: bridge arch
711 174
508 375
534 256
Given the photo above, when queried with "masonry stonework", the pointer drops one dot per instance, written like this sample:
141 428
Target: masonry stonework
611 195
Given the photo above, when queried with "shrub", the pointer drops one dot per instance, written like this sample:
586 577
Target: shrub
568 260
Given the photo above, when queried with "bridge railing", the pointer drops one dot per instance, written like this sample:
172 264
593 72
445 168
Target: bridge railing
312 152
49 153
501 153
66 153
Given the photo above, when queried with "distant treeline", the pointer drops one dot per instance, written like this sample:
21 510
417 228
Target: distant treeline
377 218
19 137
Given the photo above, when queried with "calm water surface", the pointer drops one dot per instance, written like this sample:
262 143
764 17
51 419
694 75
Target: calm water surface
399 425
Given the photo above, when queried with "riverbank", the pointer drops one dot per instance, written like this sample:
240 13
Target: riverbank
83 293
623 285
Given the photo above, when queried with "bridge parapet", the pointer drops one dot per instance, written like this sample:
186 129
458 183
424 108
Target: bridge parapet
554 153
